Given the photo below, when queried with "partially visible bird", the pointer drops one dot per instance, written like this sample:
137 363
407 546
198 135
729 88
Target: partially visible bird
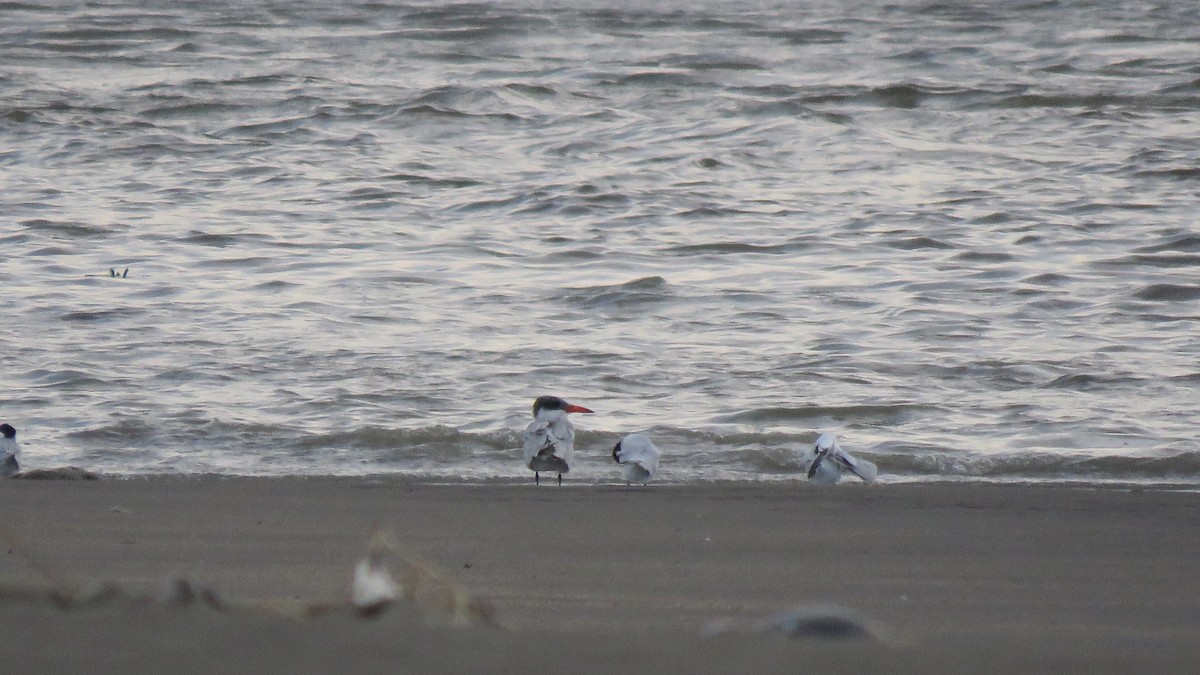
9 451
549 441
373 587
826 461
638 458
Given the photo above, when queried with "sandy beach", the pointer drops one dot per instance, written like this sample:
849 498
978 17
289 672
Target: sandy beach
607 578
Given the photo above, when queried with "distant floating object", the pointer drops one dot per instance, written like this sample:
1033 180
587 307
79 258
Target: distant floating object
113 274
826 461
638 457
550 439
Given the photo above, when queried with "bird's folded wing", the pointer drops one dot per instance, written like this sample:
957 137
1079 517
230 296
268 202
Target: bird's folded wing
859 467
540 436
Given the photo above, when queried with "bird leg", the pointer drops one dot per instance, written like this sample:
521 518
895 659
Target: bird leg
536 480
560 480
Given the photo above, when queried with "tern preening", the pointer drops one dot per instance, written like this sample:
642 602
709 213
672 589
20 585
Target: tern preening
550 438
9 451
638 458
826 461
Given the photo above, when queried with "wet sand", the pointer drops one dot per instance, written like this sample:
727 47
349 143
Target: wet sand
607 578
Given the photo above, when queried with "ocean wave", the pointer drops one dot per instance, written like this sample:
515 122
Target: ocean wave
100 315
734 247
184 109
73 229
655 78
802 36
806 415
437 111
190 444
741 223
433 181
1168 293
1187 242
1085 101
1182 467
1184 174
918 243
703 62
638 292
1161 260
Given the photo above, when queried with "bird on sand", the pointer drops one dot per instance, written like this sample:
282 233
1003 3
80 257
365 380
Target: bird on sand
826 461
638 457
9 451
549 441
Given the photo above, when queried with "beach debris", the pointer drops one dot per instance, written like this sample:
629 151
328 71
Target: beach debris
383 579
826 461
549 440
806 622
61 593
95 594
638 457
179 592
820 623
182 592
67 595
384 576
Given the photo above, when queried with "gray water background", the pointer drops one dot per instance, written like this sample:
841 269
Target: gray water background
362 237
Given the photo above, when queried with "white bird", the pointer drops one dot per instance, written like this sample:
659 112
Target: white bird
826 462
638 458
373 587
9 451
549 441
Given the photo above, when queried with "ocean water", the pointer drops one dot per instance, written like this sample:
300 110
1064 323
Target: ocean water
360 238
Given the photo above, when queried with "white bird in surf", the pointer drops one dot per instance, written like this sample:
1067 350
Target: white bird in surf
638 458
826 461
549 441
9 451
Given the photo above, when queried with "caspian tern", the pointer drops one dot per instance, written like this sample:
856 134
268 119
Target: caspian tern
638 458
550 438
9 451
826 462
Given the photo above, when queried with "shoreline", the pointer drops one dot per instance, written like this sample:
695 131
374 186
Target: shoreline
888 481
954 575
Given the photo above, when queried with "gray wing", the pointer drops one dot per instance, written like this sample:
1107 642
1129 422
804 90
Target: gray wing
859 467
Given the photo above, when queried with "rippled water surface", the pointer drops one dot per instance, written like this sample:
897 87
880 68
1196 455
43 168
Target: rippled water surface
363 237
